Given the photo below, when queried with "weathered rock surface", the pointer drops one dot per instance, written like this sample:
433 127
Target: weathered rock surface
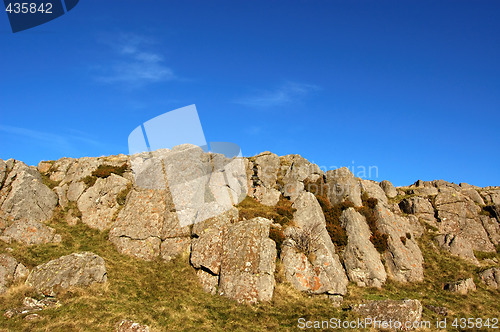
403 260
139 226
343 186
320 270
30 233
457 246
420 207
248 262
388 188
10 271
78 269
23 196
98 204
264 175
491 277
459 215
361 259
299 169
373 189
492 227
462 286
405 312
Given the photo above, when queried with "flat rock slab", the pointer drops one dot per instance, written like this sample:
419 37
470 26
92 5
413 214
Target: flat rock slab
406 312
78 269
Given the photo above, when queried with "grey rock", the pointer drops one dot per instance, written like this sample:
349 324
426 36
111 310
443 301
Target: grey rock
319 271
373 190
459 215
492 227
362 261
139 225
77 269
420 207
24 196
403 260
264 175
298 170
491 196
248 262
174 247
98 204
342 186
457 246
388 188
392 310
208 281
31 232
462 286
491 277
10 271
30 306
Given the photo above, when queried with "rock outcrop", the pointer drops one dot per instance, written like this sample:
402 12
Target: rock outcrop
308 254
361 259
10 271
343 186
403 258
248 262
78 269
491 277
264 174
462 286
405 314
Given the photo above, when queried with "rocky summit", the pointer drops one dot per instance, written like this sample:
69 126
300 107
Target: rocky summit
181 232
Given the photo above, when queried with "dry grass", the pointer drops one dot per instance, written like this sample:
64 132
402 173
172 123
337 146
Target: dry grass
167 296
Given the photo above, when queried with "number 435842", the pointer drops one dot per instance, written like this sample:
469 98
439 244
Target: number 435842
29 8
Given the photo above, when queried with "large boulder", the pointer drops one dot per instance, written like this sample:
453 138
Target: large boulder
461 287
207 246
297 169
343 186
457 246
98 204
361 259
388 188
491 277
420 207
492 227
23 195
403 258
308 254
264 174
139 226
457 214
248 262
30 233
78 269
10 271
372 189
404 314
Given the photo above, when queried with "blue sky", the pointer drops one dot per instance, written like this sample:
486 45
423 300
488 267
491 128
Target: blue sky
411 87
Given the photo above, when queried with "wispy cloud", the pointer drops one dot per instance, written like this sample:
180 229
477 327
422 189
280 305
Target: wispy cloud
69 142
285 94
134 63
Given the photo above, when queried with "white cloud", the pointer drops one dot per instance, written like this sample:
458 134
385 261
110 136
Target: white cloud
285 94
69 142
135 64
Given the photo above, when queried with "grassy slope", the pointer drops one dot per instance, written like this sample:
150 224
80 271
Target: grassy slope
167 296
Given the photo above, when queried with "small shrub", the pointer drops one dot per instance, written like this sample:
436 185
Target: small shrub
89 180
379 241
48 182
276 234
304 239
122 195
103 171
